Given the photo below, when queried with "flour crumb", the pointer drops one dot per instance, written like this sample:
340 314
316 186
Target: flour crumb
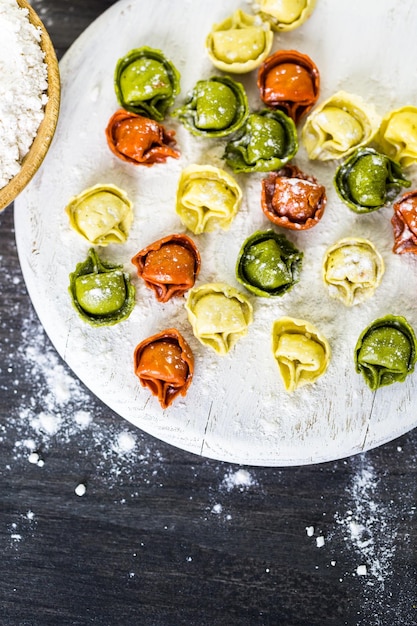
47 423
320 541
83 419
80 489
361 570
241 479
125 442
33 458
310 531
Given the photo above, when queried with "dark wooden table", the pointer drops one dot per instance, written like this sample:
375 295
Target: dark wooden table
163 537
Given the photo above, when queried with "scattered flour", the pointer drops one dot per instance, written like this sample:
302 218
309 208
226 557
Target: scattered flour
23 82
61 410
241 479
367 524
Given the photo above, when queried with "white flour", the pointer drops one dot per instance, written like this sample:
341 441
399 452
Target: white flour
367 525
23 81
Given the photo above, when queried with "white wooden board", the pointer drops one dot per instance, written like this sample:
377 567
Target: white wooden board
236 409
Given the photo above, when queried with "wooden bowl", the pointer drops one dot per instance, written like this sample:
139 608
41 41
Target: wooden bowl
46 130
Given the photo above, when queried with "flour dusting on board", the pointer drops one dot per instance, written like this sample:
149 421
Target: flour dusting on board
236 408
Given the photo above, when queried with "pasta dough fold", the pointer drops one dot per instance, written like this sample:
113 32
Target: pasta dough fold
352 270
101 214
367 180
146 82
164 364
302 353
338 126
397 135
219 315
169 266
207 198
267 141
240 43
385 352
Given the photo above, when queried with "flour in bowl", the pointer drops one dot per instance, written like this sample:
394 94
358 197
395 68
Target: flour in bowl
23 83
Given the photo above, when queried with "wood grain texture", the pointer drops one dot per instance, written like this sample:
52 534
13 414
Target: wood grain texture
143 546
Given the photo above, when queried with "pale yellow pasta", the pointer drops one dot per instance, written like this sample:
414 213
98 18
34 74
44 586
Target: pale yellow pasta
207 198
352 270
219 315
285 15
397 135
302 353
340 125
240 43
102 214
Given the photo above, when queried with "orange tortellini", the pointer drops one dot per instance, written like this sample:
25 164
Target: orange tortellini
164 364
240 43
302 353
285 15
340 125
207 198
102 214
397 135
404 224
352 270
219 315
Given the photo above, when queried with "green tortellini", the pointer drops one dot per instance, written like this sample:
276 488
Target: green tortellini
102 294
219 315
215 108
367 180
146 82
385 352
101 214
266 142
397 135
302 353
352 270
268 264
340 125
207 198
285 15
240 43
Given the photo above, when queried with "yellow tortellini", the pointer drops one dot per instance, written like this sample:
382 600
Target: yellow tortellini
352 270
240 43
102 214
397 135
207 198
219 315
340 125
285 15
300 350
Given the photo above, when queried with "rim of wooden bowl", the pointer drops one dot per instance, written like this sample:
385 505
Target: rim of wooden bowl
46 130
